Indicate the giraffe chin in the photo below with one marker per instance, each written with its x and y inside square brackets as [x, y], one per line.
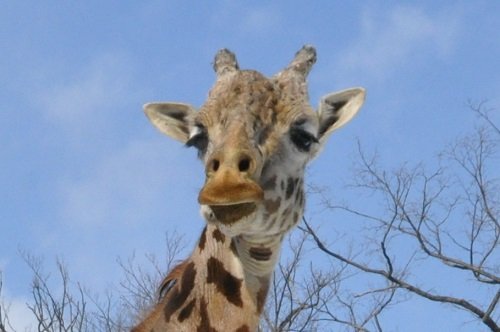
[229, 214]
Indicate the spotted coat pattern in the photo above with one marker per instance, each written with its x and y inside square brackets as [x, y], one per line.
[255, 136]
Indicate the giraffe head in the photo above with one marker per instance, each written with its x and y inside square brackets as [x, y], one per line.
[255, 136]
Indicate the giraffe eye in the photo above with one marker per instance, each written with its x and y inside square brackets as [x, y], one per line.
[302, 139]
[199, 140]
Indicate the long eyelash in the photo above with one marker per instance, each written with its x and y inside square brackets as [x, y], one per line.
[305, 133]
[302, 139]
[197, 140]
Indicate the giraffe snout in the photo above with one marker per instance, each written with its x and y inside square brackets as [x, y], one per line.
[229, 190]
[228, 187]
[230, 195]
[230, 174]
[241, 161]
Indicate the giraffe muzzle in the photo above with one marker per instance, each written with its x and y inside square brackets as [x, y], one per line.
[228, 187]
[230, 196]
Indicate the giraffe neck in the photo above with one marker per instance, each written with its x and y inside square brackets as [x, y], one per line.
[224, 278]
[255, 136]
[258, 255]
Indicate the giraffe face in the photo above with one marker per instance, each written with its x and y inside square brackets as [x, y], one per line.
[246, 137]
[255, 136]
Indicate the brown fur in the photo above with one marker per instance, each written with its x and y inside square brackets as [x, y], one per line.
[165, 287]
[255, 136]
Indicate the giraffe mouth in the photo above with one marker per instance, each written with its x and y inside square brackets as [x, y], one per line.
[228, 214]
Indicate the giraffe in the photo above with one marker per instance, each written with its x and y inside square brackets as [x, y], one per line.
[255, 136]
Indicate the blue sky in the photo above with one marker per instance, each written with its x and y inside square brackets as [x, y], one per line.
[85, 177]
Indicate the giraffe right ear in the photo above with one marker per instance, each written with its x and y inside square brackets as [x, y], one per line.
[338, 108]
[172, 119]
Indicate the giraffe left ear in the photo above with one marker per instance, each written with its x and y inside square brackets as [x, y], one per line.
[172, 119]
[338, 108]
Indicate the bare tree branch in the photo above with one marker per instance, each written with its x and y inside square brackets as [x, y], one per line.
[401, 283]
[63, 305]
[481, 110]
[314, 299]
[426, 209]
[4, 317]
[62, 310]
[140, 284]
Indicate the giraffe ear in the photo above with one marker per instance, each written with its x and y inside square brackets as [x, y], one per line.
[338, 108]
[172, 119]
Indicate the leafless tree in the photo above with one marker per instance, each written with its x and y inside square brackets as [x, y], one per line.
[307, 296]
[448, 217]
[62, 305]
[64, 309]
[4, 318]
[293, 303]
[138, 288]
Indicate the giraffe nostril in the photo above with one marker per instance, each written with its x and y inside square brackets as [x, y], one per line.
[244, 165]
[215, 165]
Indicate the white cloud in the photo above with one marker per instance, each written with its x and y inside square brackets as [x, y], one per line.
[126, 200]
[84, 101]
[121, 186]
[20, 317]
[399, 37]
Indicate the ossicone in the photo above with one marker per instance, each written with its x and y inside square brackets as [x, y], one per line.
[225, 62]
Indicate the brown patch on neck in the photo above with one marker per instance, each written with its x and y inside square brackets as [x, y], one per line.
[243, 328]
[179, 294]
[260, 253]
[204, 319]
[218, 236]
[224, 281]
